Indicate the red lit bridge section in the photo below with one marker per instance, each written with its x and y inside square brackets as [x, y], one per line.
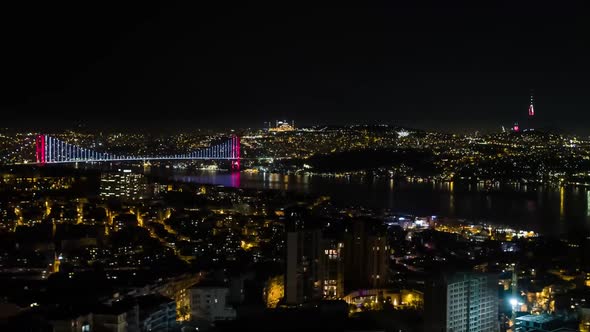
[50, 150]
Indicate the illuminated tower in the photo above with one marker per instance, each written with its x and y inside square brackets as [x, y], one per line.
[531, 121]
[235, 153]
[40, 149]
[531, 107]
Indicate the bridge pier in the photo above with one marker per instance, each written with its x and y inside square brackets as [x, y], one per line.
[40, 148]
[235, 153]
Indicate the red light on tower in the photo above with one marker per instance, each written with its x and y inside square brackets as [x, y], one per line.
[40, 149]
[516, 128]
[235, 161]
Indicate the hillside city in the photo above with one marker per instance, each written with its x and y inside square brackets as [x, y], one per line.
[119, 246]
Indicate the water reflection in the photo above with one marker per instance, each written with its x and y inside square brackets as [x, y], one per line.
[530, 206]
[235, 179]
[561, 203]
[452, 198]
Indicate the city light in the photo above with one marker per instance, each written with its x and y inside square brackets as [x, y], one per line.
[152, 177]
[513, 302]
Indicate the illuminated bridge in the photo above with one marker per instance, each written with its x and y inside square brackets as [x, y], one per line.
[50, 150]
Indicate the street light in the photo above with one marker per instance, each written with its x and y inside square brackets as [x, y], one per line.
[513, 303]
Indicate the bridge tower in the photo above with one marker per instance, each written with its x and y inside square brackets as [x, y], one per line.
[235, 153]
[40, 149]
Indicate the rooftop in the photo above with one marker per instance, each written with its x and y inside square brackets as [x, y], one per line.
[536, 318]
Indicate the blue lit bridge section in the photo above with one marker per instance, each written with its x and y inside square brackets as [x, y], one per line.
[51, 150]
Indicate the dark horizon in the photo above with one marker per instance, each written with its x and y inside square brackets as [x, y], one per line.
[177, 67]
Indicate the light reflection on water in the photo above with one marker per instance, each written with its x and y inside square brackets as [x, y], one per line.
[548, 209]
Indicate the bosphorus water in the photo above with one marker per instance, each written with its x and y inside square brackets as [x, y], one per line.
[551, 210]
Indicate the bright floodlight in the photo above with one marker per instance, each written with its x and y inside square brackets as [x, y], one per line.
[513, 302]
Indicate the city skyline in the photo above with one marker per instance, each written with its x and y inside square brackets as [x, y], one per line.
[291, 166]
[182, 66]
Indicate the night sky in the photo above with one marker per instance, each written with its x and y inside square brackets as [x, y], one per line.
[217, 65]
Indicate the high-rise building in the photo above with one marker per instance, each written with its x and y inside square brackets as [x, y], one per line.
[378, 259]
[331, 267]
[314, 266]
[531, 117]
[462, 302]
[303, 274]
[365, 256]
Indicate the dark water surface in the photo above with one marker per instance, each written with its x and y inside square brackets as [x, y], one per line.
[547, 209]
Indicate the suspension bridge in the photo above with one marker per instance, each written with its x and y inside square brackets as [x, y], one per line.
[51, 150]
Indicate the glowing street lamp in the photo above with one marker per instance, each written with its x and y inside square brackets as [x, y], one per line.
[513, 303]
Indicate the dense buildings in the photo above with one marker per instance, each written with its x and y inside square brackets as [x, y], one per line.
[324, 264]
[486, 158]
[123, 184]
[118, 214]
[164, 250]
[282, 126]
